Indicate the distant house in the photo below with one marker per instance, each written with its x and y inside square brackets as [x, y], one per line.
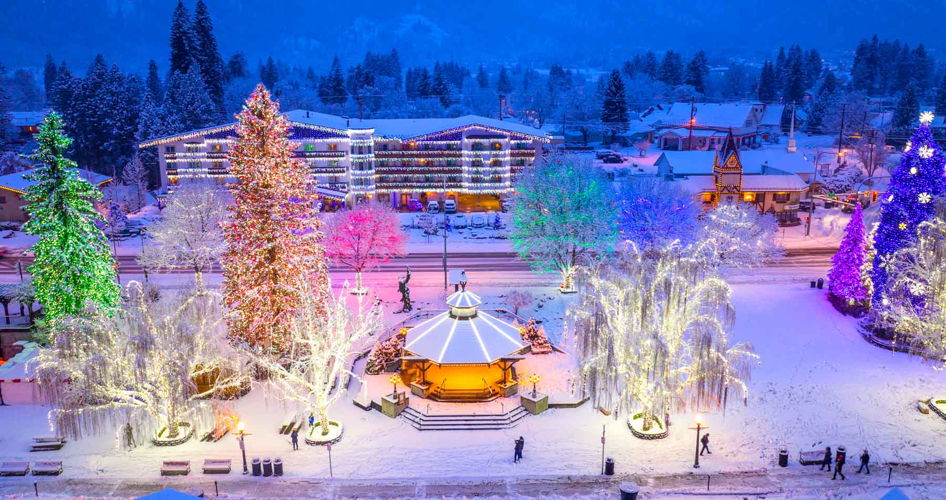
[27, 122]
[769, 179]
[13, 187]
[704, 126]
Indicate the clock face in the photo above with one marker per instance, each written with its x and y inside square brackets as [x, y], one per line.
[732, 162]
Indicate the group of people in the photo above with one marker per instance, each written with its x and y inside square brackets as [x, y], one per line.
[840, 458]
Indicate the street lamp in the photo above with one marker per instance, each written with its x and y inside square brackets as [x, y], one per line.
[535, 380]
[241, 432]
[699, 427]
[394, 379]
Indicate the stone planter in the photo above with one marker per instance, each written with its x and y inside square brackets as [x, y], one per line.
[534, 404]
[657, 430]
[315, 437]
[420, 390]
[393, 405]
[938, 406]
[184, 432]
[509, 389]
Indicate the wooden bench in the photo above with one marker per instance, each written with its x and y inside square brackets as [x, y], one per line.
[47, 443]
[812, 457]
[14, 468]
[287, 427]
[176, 468]
[48, 468]
[216, 466]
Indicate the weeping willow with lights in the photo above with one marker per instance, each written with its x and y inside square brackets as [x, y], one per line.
[73, 266]
[652, 335]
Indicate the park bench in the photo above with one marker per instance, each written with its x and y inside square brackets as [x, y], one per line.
[176, 468]
[289, 425]
[14, 468]
[811, 457]
[47, 468]
[216, 466]
[47, 443]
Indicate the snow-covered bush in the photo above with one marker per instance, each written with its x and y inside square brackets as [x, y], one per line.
[844, 179]
[385, 352]
[535, 336]
[737, 235]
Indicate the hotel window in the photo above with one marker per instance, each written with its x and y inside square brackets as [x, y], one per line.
[333, 163]
[780, 197]
[3, 200]
[169, 149]
[333, 147]
[192, 148]
[218, 165]
[707, 197]
[193, 164]
[748, 197]
[216, 148]
[308, 147]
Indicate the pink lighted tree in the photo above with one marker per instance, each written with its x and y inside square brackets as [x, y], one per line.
[845, 278]
[363, 238]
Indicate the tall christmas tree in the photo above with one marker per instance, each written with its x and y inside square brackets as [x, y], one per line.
[73, 266]
[844, 279]
[274, 251]
[909, 201]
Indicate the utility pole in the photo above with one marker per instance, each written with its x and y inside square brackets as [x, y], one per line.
[502, 102]
[792, 147]
[841, 133]
[443, 206]
[692, 115]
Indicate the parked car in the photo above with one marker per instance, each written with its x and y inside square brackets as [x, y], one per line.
[613, 158]
[806, 205]
[450, 206]
[414, 205]
[477, 220]
[460, 221]
[601, 153]
[433, 207]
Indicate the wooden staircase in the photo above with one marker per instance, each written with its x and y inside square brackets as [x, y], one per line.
[463, 422]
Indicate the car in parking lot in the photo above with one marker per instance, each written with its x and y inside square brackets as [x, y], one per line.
[414, 205]
[450, 206]
[433, 207]
[477, 220]
[460, 221]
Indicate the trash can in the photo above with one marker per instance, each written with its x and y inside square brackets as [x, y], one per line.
[629, 491]
[609, 467]
[267, 467]
[783, 457]
[814, 283]
[820, 283]
[277, 467]
[257, 470]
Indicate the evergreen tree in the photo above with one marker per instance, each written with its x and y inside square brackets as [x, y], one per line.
[61, 96]
[274, 252]
[941, 98]
[671, 69]
[236, 66]
[50, 71]
[72, 266]
[649, 66]
[844, 279]
[206, 54]
[4, 116]
[440, 88]
[922, 67]
[812, 68]
[915, 187]
[614, 108]
[269, 73]
[152, 124]
[153, 83]
[503, 85]
[697, 70]
[182, 40]
[482, 79]
[767, 83]
[332, 86]
[187, 103]
[795, 84]
[780, 70]
[908, 107]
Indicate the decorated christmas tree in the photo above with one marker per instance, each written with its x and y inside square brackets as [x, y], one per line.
[73, 266]
[909, 201]
[274, 250]
[844, 279]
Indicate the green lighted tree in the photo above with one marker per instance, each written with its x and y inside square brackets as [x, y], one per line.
[72, 265]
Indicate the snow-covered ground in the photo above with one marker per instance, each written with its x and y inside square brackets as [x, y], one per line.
[819, 384]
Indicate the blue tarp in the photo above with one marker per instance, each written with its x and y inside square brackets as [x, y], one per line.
[895, 494]
[168, 494]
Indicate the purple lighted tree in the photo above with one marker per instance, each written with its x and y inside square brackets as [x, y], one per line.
[844, 279]
[914, 186]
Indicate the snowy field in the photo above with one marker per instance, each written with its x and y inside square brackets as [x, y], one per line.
[819, 384]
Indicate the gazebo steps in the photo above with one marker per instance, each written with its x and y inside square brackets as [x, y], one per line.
[458, 422]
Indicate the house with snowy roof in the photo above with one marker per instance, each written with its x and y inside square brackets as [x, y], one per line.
[473, 158]
[683, 126]
[770, 179]
[13, 187]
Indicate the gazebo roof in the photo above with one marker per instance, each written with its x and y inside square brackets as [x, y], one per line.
[464, 298]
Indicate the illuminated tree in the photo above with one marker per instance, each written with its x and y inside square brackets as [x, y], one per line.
[564, 209]
[273, 235]
[363, 238]
[190, 234]
[136, 367]
[909, 201]
[654, 213]
[736, 235]
[844, 280]
[651, 332]
[73, 266]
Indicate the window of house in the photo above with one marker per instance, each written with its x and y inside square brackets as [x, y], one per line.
[192, 148]
[748, 197]
[308, 147]
[216, 165]
[780, 197]
[193, 164]
[170, 149]
[333, 147]
[707, 197]
[216, 148]
[3, 200]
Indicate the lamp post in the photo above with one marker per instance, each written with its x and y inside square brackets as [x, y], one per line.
[394, 379]
[535, 380]
[696, 452]
[241, 432]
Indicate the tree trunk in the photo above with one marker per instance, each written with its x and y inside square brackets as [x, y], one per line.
[323, 421]
[198, 280]
[173, 428]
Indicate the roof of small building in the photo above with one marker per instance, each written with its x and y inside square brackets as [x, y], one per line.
[720, 115]
[750, 183]
[18, 182]
[685, 132]
[753, 161]
[26, 118]
[772, 115]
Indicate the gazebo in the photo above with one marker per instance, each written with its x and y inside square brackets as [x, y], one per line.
[463, 354]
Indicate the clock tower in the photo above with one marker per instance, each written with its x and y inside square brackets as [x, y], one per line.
[727, 172]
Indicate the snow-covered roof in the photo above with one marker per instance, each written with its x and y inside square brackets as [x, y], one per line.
[18, 182]
[17, 366]
[635, 127]
[685, 132]
[464, 298]
[753, 161]
[788, 182]
[26, 118]
[720, 115]
[772, 115]
[697, 184]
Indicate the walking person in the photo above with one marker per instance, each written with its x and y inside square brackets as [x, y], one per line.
[520, 443]
[827, 459]
[865, 462]
[295, 438]
[705, 441]
[839, 460]
[311, 420]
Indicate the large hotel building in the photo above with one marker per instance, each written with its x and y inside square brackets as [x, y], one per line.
[391, 160]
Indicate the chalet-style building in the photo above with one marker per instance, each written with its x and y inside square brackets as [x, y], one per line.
[769, 179]
[13, 187]
[704, 126]
[391, 160]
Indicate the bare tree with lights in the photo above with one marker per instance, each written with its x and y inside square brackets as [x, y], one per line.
[736, 235]
[651, 331]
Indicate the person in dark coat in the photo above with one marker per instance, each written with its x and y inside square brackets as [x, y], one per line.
[839, 460]
[705, 441]
[865, 462]
[520, 444]
[311, 420]
[294, 435]
[827, 459]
